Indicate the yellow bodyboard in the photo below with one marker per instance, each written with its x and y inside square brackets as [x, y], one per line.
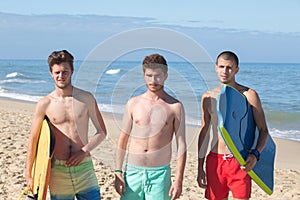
[42, 164]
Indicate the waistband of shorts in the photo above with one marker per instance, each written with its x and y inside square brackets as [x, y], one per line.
[63, 162]
[130, 166]
[221, 155]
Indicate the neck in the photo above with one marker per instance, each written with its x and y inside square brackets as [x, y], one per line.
[232, 84]
[155, 95]
[64, 92]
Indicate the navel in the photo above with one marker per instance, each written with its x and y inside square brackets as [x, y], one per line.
[70, 150]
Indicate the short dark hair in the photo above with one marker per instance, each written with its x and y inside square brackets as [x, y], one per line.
[155, 61]
[58, 57]
[228, 55]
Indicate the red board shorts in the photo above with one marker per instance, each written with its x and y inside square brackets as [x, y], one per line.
[223, 173]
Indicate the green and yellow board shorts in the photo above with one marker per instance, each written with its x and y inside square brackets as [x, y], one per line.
[147, 182]
[66, 182]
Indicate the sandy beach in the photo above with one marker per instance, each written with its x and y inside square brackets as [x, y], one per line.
[15, 121]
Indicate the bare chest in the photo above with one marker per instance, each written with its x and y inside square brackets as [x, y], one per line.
[152, 120]
[65, 111]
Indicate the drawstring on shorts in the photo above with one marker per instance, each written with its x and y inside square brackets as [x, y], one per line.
[146, 182]
[226, 156]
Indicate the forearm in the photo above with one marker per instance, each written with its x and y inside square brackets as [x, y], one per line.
[181, 161]
[203, 141]
[120, 155]
[121, 150]
[202, 148]
[201, 164]
[94, 142]
[181, 157]
[262, 139]
[31, 153]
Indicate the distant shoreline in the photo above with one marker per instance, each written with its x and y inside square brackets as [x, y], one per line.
[119, 115]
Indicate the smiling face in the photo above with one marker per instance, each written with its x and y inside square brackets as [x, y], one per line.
[61, 74]
[155, 79]
[226, 70]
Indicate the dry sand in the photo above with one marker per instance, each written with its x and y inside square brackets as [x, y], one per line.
[15, 120]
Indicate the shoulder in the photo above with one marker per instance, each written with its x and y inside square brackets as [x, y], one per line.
[45, 101]
[42, 105]
[171, 100]
[207, 94]
[78, 91]
[132, 102]
[174, 104]
[250, 94]
[252, 97]
[210, 95]
[246, 91]
[83, 95]
[213, 93]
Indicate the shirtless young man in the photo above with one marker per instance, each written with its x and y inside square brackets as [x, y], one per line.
[150, 121]
[223, 172]
[69, 110]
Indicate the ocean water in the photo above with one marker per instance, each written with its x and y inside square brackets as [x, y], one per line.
[113, 83]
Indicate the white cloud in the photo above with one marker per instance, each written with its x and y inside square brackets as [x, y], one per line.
[34, 36]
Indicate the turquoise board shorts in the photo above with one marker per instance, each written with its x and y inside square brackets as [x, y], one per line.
[147, 182]
[66, 182]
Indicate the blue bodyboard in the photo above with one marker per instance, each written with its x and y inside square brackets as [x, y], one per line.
[238, 129]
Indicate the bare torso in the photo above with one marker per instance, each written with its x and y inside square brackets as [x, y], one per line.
[152, 131]
[69, 118]
[219, 146]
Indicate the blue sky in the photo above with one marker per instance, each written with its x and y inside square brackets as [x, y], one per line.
[258, 31]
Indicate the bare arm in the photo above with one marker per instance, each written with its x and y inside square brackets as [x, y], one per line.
[261, 124]
[36, 125]
[202, 147]
[95, 115]
[98, 123]
[121, 150]
[179, 125]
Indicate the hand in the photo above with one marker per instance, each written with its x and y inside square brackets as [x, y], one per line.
[176, 189]
[201, 179]
[250, 163]
[119, 184]
[29, 182]
[77, 158]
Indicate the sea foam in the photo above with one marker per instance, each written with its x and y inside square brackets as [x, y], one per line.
[113, 71]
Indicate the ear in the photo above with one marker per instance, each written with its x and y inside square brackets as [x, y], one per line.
[166, 76]
[237, 69]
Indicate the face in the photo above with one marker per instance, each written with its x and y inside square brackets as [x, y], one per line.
[226, 70]
[61, 75]
[155, 79]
